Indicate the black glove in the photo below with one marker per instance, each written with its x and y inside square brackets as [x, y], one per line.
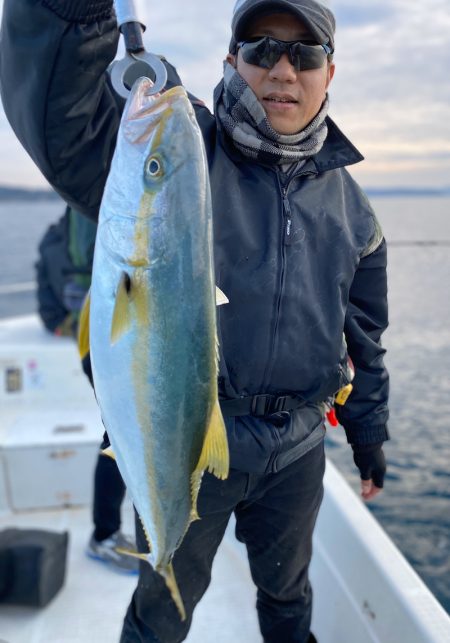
[370, 460]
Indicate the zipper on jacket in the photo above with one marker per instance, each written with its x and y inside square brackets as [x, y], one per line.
[285, 237]
[288, 216]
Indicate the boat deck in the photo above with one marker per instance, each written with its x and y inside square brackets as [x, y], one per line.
[91, 605]
[365, 591]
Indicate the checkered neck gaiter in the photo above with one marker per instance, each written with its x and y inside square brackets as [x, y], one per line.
[243, 118]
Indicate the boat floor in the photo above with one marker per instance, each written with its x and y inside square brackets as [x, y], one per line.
[364, 589]
[91, 605]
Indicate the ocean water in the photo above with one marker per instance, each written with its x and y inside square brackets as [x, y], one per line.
[414, 509]
[22, 225]
[415, 506]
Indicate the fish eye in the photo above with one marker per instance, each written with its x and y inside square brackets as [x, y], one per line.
[154, 168]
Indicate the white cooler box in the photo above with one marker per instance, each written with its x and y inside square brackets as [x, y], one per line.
[49, 459]
[39, 369]
[50, 426]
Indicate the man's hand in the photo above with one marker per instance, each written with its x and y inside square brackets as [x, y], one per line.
[369, 458]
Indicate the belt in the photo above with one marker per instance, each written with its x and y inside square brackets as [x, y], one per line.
[261, 405]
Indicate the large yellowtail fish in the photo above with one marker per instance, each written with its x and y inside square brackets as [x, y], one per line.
[152, 319]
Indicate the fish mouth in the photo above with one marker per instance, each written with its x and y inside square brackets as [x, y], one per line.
[147, 115]
[158, 103]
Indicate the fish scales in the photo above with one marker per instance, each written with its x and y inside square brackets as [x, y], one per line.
[152, 326]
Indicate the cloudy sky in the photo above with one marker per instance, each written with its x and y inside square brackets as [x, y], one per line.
[390, 93]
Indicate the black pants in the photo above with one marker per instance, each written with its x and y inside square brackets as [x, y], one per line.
[275, 518]
[109, 491]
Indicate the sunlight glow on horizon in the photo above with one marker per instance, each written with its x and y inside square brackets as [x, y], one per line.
[390, 95]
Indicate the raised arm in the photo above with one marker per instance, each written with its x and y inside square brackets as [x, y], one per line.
[56, 93]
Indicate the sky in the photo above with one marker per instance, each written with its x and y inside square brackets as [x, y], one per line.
[390, 94]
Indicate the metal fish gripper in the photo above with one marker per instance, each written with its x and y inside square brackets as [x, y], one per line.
[137, 61]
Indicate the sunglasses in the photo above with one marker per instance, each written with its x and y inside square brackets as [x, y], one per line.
[266, 52]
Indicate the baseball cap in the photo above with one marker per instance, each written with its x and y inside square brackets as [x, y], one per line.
[317, 18]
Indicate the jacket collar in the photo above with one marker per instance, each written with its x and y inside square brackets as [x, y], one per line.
[337, 150]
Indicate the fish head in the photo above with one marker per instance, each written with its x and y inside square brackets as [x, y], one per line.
[158, 177]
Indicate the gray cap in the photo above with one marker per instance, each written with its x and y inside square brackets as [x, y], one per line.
[317, 18]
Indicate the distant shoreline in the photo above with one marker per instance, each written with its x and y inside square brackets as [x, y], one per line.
[407, 192]
[26, 194]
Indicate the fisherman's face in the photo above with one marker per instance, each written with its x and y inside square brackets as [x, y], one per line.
[291, 99]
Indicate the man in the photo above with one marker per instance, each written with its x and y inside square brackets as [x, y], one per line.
[298, 252]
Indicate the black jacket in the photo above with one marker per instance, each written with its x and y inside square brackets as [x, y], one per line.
[63, 270]
[52, 270]
[302, 260]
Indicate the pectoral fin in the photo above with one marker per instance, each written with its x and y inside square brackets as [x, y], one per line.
[83, 327]
[121, 320]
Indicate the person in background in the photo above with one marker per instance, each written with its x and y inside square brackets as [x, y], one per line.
[63, 274]
[297, 250]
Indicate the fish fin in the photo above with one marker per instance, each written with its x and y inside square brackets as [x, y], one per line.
[132, 553]
[221, 297]
[147, 537]
[169, 577]
[121, 320]
[83, 327]
[215, 456]
[109, 453]
[194, 514]
[196, 479]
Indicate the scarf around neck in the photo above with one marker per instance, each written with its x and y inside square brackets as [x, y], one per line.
[244, 119]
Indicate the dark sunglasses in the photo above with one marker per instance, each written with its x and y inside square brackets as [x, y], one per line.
[266, 52]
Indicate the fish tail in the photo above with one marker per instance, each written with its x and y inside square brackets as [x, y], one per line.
[169, 576]
[167, 573]
[133, 553]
